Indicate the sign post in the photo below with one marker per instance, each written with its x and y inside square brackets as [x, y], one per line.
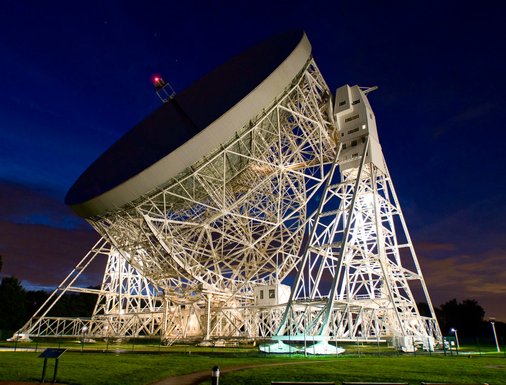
[51, 353]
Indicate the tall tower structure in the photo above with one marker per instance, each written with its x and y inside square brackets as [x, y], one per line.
[359, 270]
[254, 204]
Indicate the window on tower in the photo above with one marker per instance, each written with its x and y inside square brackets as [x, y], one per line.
[351, 118]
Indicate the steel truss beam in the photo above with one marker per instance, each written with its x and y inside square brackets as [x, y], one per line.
[127, 304]
[357, 269]
[184, 260]
[237, 218]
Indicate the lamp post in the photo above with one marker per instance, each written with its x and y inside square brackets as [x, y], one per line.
[359, 335]
[492, 322]
[456, 337]
[106, 328]
[215, 375]
[83, 330]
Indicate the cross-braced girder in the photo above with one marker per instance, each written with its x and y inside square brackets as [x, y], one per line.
[237, 218]
[287, 198]
[353, 265]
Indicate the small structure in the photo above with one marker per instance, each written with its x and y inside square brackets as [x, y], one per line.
[268, 295]
[51, 353]
[278, 347]
[324, 348]
[19, 337]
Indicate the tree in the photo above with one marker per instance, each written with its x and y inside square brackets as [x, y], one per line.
[466, 317]
[74, 305]
[12, 304]
[33, 301]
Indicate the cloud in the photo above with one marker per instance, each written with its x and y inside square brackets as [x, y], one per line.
[41, 240]
[474, 226]
[427, 247]
[473, 112]
[463, 255]
[43, 255]
[32, 205]
[467, 115]
[481, 277]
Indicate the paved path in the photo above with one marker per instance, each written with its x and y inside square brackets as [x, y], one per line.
[199, 377]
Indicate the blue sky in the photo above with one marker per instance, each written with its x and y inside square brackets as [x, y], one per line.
[74, 77]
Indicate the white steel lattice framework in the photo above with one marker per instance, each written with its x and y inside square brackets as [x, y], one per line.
[359, 268]
[236, 220]
[188, 259]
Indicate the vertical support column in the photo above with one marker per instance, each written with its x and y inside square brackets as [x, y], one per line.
[208, 327]
[165, 318]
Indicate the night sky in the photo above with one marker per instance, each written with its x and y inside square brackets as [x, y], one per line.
[75, 76]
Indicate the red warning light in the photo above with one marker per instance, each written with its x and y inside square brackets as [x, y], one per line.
[158, 82]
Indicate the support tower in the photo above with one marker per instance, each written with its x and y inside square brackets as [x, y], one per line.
[268, 212]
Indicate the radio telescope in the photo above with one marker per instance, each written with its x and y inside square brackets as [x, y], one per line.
[255, 204]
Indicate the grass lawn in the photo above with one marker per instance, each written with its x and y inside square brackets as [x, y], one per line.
[414, 370]
[140, 345]
[146, 345]
[98, 368]
[138, 369]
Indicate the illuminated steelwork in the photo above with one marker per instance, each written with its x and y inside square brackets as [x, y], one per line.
[297, 191]
[359, 267]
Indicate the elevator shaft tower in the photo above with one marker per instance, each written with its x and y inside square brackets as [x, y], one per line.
[360, 270]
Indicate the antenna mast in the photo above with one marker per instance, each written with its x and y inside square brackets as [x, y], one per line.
[163, 89]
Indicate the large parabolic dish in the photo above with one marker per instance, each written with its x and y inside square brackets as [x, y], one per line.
[210, 192]
[254, 204]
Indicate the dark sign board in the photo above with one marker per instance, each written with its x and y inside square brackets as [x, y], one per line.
[52, 353]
